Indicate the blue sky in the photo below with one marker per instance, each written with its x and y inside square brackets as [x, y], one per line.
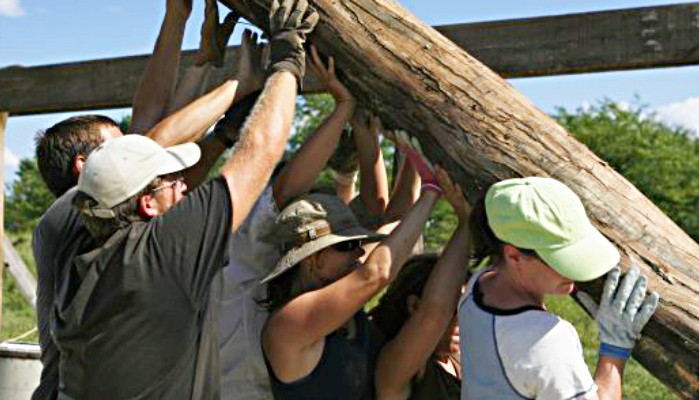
[41, 32]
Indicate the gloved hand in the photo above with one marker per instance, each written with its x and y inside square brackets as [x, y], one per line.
[343, 163]
[227, 129]
[623, 312]
[288, 26]
[411, 148]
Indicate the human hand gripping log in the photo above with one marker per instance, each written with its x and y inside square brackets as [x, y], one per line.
[288, 27]
[623, 312]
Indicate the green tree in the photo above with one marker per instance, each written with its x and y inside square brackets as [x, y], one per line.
[660, 160]
[27, 199]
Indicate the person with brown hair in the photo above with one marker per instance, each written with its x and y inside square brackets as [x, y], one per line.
[539, 242]
[317, 342]
[417, 315]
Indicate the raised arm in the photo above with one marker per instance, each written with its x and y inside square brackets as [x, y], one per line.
[302, 170]
[311, 316]
[372, 170]
[155, 90]
[406, 190]
[265, 133]
[406, 354]
[212, 49]
[623, 312]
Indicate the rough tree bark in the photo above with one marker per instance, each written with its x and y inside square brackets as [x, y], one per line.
[482, 130]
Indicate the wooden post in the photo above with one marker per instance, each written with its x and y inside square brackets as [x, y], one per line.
[3, 123]
[19, 270]
[482, 130]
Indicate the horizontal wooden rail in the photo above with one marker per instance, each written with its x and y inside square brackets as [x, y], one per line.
[590, 42]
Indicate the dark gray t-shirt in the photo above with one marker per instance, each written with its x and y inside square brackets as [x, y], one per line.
[59, 235]
[130, 314]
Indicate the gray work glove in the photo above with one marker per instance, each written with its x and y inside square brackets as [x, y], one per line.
[344, 158]
[623, 312]
[227, 129]
[288, 26]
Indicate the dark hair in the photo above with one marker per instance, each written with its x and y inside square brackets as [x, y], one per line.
[126, 213]
[485, 243]
[281, 289]
[392, 311]
[57, 147]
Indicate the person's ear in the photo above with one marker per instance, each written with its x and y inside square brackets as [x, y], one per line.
[147, 206]
[512, 254]
[78, 165]
[413, 303]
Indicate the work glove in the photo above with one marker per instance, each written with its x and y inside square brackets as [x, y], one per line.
[288, 26]
[623, 312]
[343, 164]
[227, 129]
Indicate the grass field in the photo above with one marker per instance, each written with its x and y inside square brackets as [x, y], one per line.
[18, 317]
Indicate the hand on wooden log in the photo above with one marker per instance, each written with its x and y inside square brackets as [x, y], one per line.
[412, 149]
[289, 24]
[454, 195]
[227, 129]
[251, 71]
[214, 36]
[623, 312]
[328, 78]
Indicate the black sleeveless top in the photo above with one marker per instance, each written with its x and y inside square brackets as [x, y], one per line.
[436, 384]
[345, 370]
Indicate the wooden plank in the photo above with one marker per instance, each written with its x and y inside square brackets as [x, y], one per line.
[3, 124]
[16, 267]
[482, 130]
[590, 42]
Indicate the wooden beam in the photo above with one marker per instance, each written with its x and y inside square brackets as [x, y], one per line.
[3, 124]
[482, 130]
[16, 267]
[590, 42]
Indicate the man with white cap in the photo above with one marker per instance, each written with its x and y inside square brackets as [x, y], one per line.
[539, 241]
[130, 318]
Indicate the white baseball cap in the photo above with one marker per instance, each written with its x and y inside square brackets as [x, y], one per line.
[122, 167]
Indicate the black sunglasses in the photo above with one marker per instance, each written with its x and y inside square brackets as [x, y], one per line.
[348, 245]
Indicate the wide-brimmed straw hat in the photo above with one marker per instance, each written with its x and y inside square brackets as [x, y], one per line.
[309, 225]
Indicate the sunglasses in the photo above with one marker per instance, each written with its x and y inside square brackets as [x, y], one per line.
[168, 184]
[348, 245]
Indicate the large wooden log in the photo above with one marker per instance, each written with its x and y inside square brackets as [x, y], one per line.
[482, 130]
[586, 42]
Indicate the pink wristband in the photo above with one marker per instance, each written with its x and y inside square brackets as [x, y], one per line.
[431, 187]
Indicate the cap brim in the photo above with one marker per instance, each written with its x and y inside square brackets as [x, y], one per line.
[587, 259]
[178, 158]
[293, 256]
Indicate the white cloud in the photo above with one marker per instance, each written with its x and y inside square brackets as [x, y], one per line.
[11, 159]
[11, 8]
[684, 113]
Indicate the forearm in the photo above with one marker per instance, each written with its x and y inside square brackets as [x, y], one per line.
[191, 86]
[608, 378]
[344, 191]
[372, 172]
[191, 122]
[405, 191]
[261, 145]
[443, 287]
[157, 84]
[302, 170]
[390, 255]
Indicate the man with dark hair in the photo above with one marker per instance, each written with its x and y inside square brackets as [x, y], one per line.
[63, 149]
[131, 311]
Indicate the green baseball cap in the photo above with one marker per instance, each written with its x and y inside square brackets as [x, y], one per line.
[544, 215]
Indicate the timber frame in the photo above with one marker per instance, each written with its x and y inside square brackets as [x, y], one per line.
[638, 38]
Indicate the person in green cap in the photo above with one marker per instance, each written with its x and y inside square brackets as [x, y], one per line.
[539, 241]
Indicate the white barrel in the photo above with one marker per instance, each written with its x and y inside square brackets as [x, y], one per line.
[20, 369]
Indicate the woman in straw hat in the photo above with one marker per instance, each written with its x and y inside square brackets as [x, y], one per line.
[317, 342]
[417, 316]
[539, 241]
